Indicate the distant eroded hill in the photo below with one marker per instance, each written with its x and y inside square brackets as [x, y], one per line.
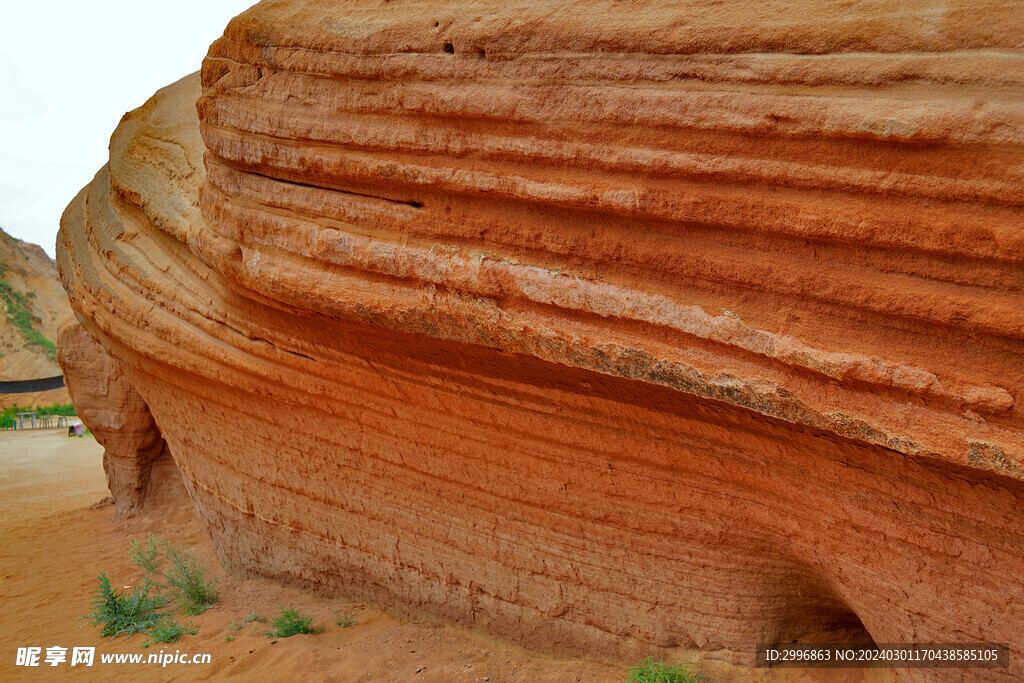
[35, 306]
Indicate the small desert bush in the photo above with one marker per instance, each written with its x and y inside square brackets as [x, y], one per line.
[167, 631]
[187, 577]
[346, 620]
[172, 573]
[291, 622]
[179, 571]
[122, 613]
[650, 671]
[147, 557]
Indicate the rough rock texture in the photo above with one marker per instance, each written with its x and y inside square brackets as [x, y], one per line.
[138, 465]
[29, 286]
[603, 328]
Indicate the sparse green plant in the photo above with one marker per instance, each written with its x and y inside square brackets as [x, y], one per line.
[346, 620]
[247, 619]
[65, 409]
[11, 412]
[187, 577]
[228, 639]
[291, 622]
[170, 573]
[147, 556]
[650, 671]
[121, 613]
[178, 570]
[20, 314]
[167, 631]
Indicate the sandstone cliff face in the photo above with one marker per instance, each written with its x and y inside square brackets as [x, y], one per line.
[135, 458]
[32, 306]
[603, 329]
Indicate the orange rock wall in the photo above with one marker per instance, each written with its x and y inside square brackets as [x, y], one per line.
[135, 457]
[609, 329]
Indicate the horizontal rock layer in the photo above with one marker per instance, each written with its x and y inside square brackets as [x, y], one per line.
[662, 327]
[814, 236]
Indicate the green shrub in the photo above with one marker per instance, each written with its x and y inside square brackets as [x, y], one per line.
[171, 573]
[291, 623]
[650, 671]
[65, 409]
[346, 620]
[11, 413]
[167, 631]
[147, 557]
[179, 571]
[125, 613]
[187, 577]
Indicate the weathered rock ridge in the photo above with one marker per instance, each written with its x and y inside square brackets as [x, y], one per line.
[137, 463]
[608, 329]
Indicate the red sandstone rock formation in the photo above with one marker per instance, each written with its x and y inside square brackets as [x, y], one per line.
[138, 465]
[604, 329]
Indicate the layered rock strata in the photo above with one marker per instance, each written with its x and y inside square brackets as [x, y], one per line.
[138, 466]
[602, 329]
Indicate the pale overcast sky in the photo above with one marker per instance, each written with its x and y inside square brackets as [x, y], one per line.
[68, 71]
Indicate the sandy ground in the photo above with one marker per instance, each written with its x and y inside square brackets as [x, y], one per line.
[57, 534]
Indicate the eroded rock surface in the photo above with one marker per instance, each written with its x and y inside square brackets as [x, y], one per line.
[611, 329]
[138, 466]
